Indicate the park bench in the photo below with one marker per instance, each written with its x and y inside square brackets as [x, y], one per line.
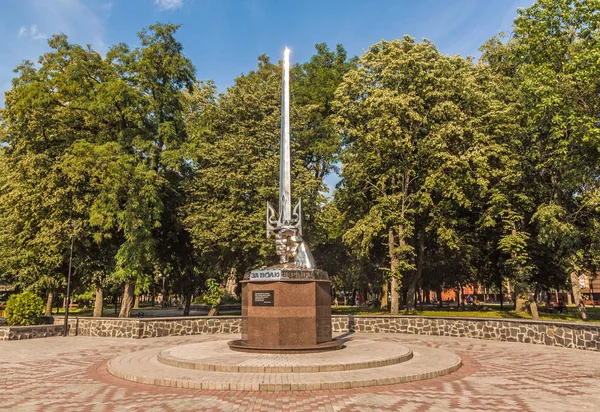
[551, 307]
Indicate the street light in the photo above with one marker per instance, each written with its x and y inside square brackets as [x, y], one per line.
[66, 330]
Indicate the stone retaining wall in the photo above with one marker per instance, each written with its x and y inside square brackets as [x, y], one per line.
[565, 334]
[152, 328]
[30, 332]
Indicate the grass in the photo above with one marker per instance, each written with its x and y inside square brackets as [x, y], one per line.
[107, 311]
[492, 311]
[489, 311]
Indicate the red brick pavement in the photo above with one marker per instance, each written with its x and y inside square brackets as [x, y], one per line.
[58, 374]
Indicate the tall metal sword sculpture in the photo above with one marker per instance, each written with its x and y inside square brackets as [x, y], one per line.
[290, 247]
[286, 308]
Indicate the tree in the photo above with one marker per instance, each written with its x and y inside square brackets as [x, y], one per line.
[406, 113]
[551, 60]
[95, 142]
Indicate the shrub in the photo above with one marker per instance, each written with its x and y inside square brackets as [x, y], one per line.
[23, 309]
[213, 294]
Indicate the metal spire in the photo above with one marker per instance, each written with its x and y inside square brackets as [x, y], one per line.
[285, 190]
[289, 244]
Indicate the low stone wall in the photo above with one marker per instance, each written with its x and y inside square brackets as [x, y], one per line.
[30, 332]
[134, 328]
[199, 325]
[564, 334]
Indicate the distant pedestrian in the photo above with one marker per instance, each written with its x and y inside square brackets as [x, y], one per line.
[561, 306]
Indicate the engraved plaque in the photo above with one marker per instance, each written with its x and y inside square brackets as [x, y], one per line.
[263, 298]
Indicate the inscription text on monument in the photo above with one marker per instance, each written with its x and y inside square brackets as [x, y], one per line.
[266, 274]
[263, 298]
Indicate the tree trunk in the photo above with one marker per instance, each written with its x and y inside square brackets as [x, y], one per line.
[136, 302]
[508, 289]
[570, 295]
[427, 296]
[410, 293]
[214, 311]
[556, 295]
[385, 290]
[438, 292]
[416, 276]
[188, 302]
[48, 311]
[534, 311]
[99, 302]
[127, 301]
[577, 294]
[521, 298]
[393, 266]
[57, 305]
[533, 306]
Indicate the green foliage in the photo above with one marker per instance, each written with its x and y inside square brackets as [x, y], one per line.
[453, 172]
[85, 298]
[410, 161]
[23, 309]
[214, 293]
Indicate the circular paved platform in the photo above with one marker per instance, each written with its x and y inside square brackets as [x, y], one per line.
[212, 356]
[211, 365]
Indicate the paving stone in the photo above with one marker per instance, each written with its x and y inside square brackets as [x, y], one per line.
[212, 356]
[59, 374]
[425, 363]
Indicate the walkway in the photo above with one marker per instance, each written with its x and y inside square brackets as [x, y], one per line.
[57, 374]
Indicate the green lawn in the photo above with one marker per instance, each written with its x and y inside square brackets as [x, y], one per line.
[489, 311]
[108, 310]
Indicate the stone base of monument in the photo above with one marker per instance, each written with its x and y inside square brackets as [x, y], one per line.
[210, 365]
[289, 315]
[243, 346]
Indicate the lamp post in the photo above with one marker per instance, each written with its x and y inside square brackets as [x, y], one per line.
[67, 300]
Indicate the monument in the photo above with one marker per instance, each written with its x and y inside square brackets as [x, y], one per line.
[286, 310]
[287, 307]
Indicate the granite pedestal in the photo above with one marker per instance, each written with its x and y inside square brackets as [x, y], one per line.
[286, 316]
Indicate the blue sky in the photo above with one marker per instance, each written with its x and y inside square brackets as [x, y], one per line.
[224, 37]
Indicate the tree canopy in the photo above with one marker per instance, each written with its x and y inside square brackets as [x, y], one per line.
[453, 172]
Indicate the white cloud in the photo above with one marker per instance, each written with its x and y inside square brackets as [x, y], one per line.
[169, 4]
[84, 22]
[33, 32]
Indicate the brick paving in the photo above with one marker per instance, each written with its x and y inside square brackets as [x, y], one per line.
[379, 366]
[358, 354]
[57, 374]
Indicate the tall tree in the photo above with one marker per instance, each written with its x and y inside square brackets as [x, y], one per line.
[406, 113]
[552, 59]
